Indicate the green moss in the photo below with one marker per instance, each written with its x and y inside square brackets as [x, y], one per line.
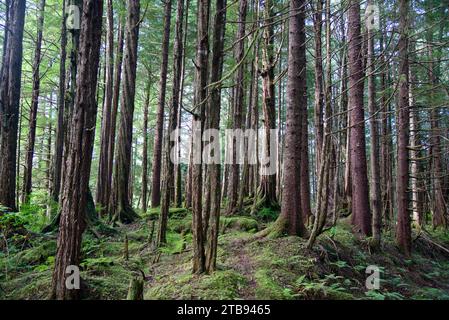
[268, 289]
[241, 223]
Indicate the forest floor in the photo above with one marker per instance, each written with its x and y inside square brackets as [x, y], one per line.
[248, 267]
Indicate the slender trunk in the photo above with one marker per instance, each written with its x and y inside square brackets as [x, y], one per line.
[319, 90]
[238, 102]
[200, 100]
[375, 193]
[102, 179]
[158, 137]
[168, 183]
[178, 178]
[145, 149]
[403, 229]
[59, 143]
[213, 120]
[121, 208]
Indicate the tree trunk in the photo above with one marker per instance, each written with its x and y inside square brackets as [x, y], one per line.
[145, 149]
[178, 178]
[403, 229]
[439, 210]
[376, 204]
[79, 157]
[319, 90]
[200, 99]
[59, 143]
[238, 102]
[158, 137]
[10, 86]
[266, 193]
[291, 219]
[168, 183]
[102, 196]
[29, 153]
[361, 217]
[121, 207]
[213, 122]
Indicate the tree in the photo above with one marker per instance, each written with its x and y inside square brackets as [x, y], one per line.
[213, 122]
[103, 180]
[10, 86]
[376, 204]
[403, 228]
[168, 183]
[59, 142]
[266, 193]
[200, 87]
[158, 137]
[291, 219]
[120, 206]
[29, 154]
[79, 153]
[361, 217]
[237, 107]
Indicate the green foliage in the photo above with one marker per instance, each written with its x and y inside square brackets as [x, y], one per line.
[267, 214]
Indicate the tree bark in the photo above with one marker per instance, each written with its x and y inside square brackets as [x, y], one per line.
[238, 102]
[102, 195]
[200, 100]
[29, 153]
[158, 137]
[168, 183]
[403, 229]
[10, 87]
[266, 193]
[213, 122]
[59, 143]
[79, 157]
[361, 217]
[375, 193]
[291, 218]
[121, 206]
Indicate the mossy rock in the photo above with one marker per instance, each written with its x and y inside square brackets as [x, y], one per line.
[174, 213]
[239, 223]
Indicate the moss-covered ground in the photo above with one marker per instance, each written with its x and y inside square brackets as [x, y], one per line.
[249, 267]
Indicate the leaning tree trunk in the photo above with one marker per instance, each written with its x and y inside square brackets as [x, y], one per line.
[79, 157]
[319, 88]
[361, 217]
[403, 229]
[158, 137]
[10, 86]
[121, 209]
[29, 153]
